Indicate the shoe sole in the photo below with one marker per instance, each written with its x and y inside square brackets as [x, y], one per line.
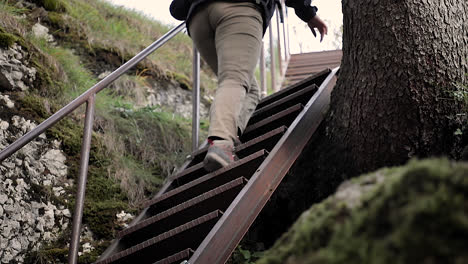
[214, 162]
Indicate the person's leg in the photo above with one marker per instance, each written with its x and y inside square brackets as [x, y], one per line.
[203, 36]
[238, 38]
[228, 36]
[249, 105]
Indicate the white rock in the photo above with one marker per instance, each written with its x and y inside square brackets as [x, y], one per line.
[4, 125]
[47, 236]
[6, 231]
[5, 100]
[54, 160]
[66, 213]
[15, 244]
[47, 183]
[42, 32]
[7, 257]
[3, 198]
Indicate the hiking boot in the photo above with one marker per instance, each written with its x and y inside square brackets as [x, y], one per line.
[220, 154]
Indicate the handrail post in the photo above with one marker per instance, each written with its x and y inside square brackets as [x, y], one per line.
[263, 83]
[280, 59]
[195, 98]
[285, 33]
[272, 59]
[84, 162]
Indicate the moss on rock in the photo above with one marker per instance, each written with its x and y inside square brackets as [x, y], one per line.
[6, 39]
[415, 214]
[52, 5]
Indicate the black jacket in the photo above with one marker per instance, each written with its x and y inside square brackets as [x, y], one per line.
[184, 9]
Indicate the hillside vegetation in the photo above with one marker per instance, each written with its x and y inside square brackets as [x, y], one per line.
[134, 146]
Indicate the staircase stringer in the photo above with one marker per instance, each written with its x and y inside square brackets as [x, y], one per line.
[230, 229]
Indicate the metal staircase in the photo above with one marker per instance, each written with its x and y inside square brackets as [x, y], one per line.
[201, 217]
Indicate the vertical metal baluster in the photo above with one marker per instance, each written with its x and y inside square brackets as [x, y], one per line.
[84, 162]
[280, 59]
[285, 25]
[195, 99]
[272, 60]
[263, 82]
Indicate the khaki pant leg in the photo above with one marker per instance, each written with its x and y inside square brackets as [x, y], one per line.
[237, 31]
[249, 105]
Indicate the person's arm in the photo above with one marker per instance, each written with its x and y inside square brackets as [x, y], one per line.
[308, 14]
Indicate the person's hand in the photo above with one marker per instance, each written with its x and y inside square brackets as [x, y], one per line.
[317, 23]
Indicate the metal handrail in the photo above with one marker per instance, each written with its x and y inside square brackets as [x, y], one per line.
[89, 96]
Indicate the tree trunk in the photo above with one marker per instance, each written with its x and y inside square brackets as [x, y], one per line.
[395, 96]
[403, 63]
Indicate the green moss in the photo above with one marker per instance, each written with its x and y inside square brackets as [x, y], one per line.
[6, 39]
[56, 19]
[418, 215]
[100, 217]
[47, 254]
[52, 5]
[70, 134]
[91, 257]
[181, 79]
[35, 106]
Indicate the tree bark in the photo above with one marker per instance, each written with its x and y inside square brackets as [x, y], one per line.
[395, 96]
[403, 62]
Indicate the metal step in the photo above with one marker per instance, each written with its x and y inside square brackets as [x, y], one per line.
[283, 118]
[167, 244]
[316, 79]
[244, 167]
[299, 97]
[217, 199]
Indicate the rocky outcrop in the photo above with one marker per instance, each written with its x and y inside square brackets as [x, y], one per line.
[411, 214]
[15, 72]
[32, 182]
[172, 97]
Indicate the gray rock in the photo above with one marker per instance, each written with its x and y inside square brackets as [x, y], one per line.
[41, 31]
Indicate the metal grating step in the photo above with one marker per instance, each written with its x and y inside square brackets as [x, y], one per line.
[217, 199]
[177, 258]
[316, 79]
[245, 167]
[266, 141]
[301, 96]
[188, 235]
[283, 118]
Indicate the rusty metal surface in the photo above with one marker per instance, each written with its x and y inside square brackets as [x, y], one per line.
[82, 178]
[316, 79]
[217, 199]
[283, 118]
[244, 167]
[266, 141]
[299, 97]
[234, 223]
[166, 244]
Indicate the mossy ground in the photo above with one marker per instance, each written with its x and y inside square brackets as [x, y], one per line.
[418, 215]
[52, 5]
[6, 39]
